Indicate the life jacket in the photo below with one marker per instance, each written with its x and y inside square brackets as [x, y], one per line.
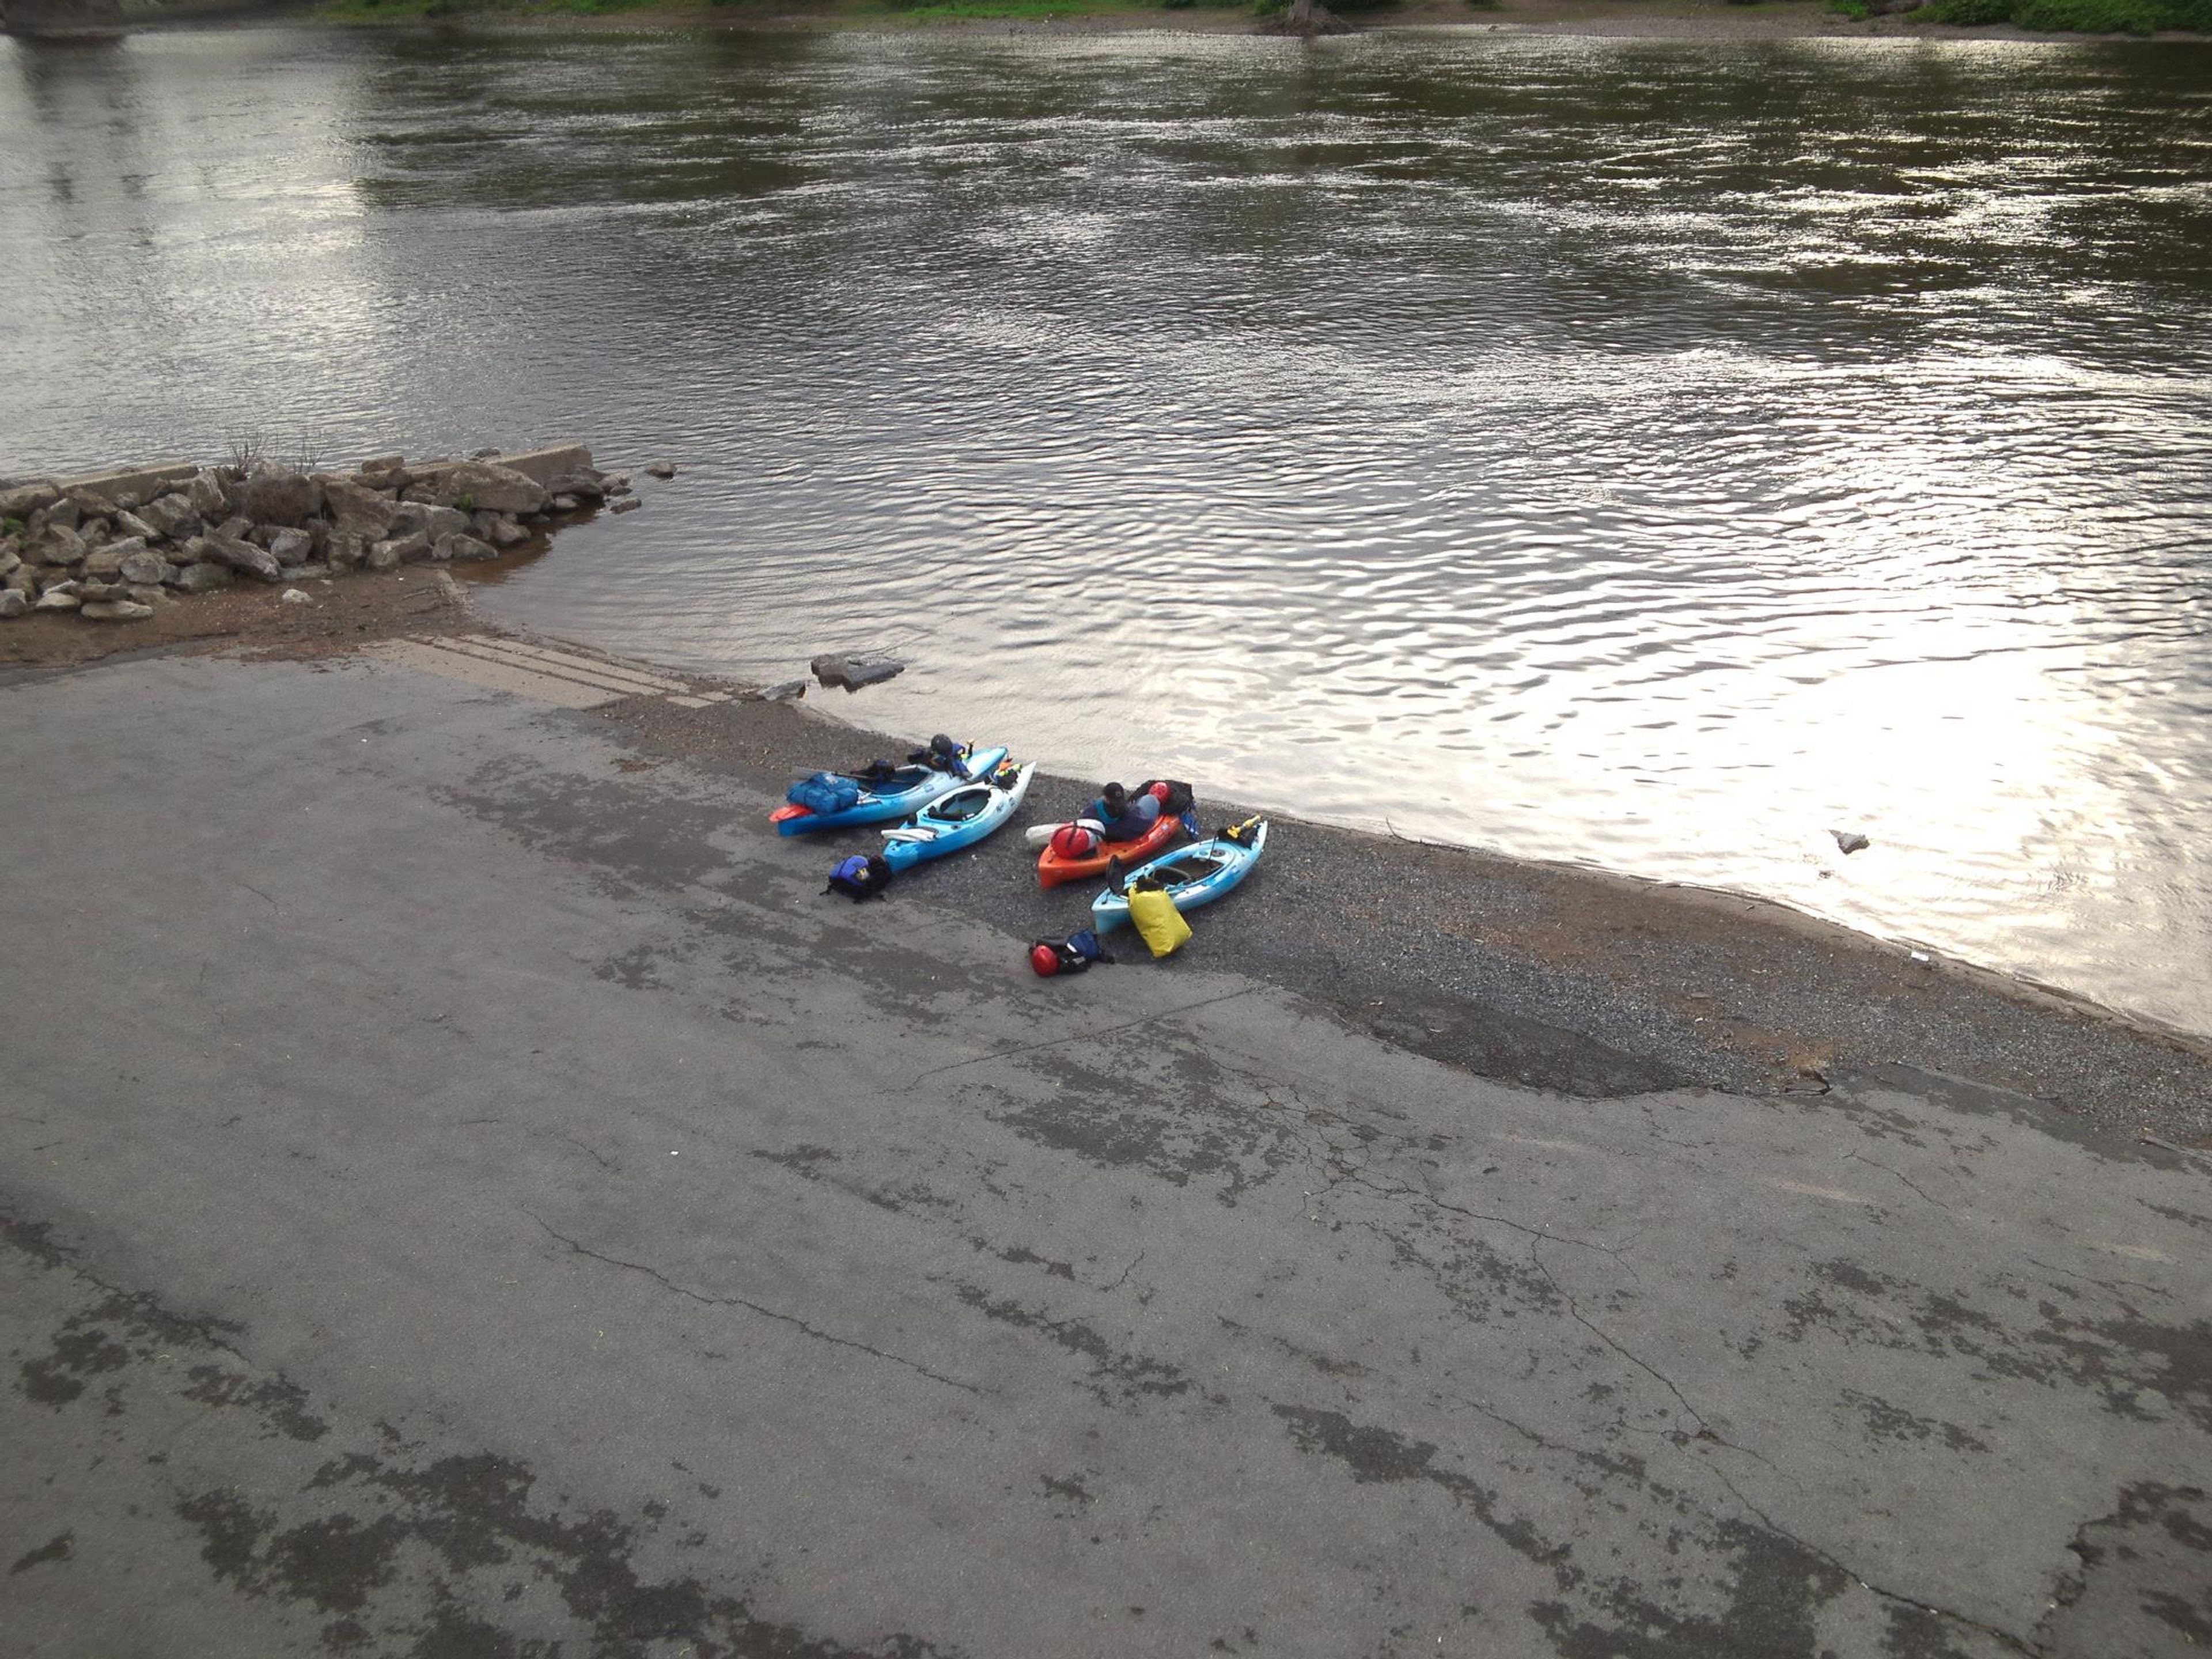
[943, 755]
[1141, 813]
[1072, 955]
[858, 878]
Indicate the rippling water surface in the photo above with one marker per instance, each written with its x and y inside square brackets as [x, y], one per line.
[1653, 454]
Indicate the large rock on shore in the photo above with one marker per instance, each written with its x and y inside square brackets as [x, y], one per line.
[105, 562]
[286, 499]
[241, 556]
[12, 604]
[428, 518]
[400, 549]
[498, 528]
[24, 500]
[544, 466]
[206, 496]
[291, 547]
[171, 516]
[482, 487]
[358, 510]
[459, 546]
[144, 566]
[582, 486]
[56, 545]
[207, 577]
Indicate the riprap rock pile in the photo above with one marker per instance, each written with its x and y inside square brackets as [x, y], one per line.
[112, 547]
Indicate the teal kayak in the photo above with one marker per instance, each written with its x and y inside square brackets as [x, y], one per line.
[959, 819]
[1192, 876]
[903, 794]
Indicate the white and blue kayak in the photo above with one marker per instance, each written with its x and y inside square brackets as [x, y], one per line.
[900, 794]
[961, 818]
[1191, 876]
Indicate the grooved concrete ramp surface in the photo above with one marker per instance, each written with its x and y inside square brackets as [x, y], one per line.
[465, 1195]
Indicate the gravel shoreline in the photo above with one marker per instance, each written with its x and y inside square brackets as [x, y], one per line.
[1578, 981]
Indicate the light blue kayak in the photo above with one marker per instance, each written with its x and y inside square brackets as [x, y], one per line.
[960, 818]
[905, 793]
[1192, 875]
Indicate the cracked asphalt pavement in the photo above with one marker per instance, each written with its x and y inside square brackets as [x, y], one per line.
[464, 1192]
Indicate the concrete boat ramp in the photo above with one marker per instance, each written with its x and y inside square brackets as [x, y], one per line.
[466, 1191]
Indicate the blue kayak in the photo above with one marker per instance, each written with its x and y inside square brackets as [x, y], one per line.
[1191, 876]
[959, 819]
[903, 794]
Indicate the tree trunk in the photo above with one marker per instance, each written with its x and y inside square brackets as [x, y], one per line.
[1309, 17]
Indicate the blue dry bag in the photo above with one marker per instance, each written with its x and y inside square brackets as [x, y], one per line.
[825, 792]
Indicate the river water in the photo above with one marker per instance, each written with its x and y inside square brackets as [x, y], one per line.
[1651, 454]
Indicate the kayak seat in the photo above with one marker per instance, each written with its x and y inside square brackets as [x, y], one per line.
[955, 808]
[1178, 873]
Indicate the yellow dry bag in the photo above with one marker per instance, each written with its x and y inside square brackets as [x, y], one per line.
[1154, 915]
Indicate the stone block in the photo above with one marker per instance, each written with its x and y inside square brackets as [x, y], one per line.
[542, 466]
[143, 481]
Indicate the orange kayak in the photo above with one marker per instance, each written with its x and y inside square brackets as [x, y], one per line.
[1053, 869]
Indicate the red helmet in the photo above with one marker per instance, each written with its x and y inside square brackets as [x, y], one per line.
[1072, 840]
[1159, 792]
[1045, 960]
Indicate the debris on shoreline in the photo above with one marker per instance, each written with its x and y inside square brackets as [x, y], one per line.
[113, 547]
[853, 673]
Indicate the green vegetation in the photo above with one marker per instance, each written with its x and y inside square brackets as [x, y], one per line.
[408, 11]
[411, 11]
[2073, 16]
[1035, 9]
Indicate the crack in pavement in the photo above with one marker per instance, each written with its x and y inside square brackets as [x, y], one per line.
[1126, 1272]
[793, 1320]
[2015, 1643]
[1575, 1313]
[1355, 1174]
[1535, 1234]
[585, 1146]
[1897, 1175]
